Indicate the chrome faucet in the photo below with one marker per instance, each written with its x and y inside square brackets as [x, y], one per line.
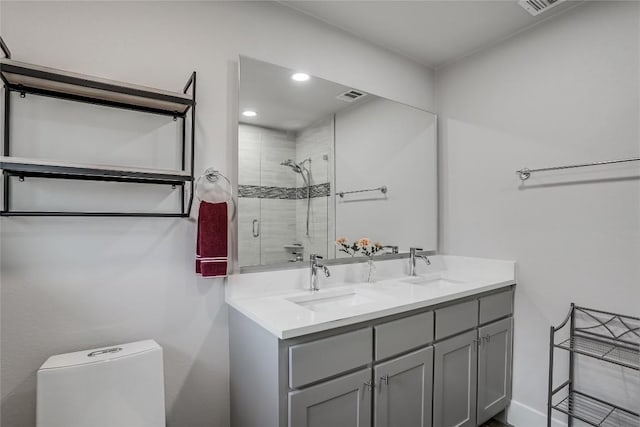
[394, 249]
[412, 260]
[313, 285]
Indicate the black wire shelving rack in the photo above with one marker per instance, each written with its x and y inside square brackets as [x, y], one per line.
[609, 337]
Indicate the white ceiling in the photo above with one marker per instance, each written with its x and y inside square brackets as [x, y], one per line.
[432, 33]
[282, 103]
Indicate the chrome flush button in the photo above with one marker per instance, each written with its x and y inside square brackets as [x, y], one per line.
[105, 351]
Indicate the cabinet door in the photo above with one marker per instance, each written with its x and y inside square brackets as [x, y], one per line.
[343, 402]
[403, 397]
[454, 389]
[494, 368]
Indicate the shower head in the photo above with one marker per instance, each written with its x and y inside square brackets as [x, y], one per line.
[293, 165]
[305, 173]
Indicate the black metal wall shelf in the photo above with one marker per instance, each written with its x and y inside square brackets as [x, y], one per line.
[29, 78]
[21, 167]
[26, 78]
[96, 214]
[609, 337]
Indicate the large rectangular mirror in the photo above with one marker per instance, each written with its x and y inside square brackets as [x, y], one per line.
[318, 160]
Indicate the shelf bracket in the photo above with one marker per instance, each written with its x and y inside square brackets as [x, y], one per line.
[21, 90]
[5, 48]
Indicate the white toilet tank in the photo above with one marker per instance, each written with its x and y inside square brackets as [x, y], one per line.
[118, 386]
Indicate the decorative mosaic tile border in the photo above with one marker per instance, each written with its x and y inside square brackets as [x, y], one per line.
[319, 190]
[289, 193]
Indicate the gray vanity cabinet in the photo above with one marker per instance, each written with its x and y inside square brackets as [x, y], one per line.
[441, 366]
[403, 398]
[494, 368]
[454, 376]
[342, 402]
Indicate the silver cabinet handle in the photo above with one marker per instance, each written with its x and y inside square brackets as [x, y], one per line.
[370, 385]
[487, 338]
[384, 380]
[256, 228]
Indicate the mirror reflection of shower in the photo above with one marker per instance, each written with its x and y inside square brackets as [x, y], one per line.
[305, 173]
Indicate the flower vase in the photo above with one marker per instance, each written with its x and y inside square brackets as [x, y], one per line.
[372, 271]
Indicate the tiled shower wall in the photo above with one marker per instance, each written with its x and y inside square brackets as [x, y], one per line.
[276, 196]
[316, 142]
[260, 152]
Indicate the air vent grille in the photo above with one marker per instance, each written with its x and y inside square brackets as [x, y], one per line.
[351, 95]
[536, 7]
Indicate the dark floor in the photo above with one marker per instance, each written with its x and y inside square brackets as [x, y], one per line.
[494, 423]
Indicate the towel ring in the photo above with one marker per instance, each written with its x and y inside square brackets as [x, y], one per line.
[213, 175]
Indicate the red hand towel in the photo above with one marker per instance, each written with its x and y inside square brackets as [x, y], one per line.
[211, 244]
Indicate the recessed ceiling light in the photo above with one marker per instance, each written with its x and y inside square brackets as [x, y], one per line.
[300, 77]
[249, 113]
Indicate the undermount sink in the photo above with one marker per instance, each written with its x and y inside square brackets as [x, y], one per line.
[432, 281]
[332, 301]
[361, 298]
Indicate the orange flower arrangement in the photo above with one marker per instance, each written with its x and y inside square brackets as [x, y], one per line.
[346, 247]
[367, 248]
[363, 245]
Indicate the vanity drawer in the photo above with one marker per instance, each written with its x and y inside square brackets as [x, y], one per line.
[403, 334]
[495, 306]
[316, 360]
[456, 318]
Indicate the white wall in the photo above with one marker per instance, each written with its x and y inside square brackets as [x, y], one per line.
[381, 142]
[70, 283]
[564, 92]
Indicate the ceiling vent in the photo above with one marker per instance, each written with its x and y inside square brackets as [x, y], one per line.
[351, 95]
[536, 7]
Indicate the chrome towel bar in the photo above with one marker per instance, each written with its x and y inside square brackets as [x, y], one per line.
[382, 189]
[525, 173]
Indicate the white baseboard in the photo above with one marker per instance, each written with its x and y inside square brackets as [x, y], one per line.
[520, 415]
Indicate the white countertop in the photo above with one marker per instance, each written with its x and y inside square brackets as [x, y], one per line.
[281, 303]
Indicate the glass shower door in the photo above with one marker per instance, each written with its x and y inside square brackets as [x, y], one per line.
[284, 193]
